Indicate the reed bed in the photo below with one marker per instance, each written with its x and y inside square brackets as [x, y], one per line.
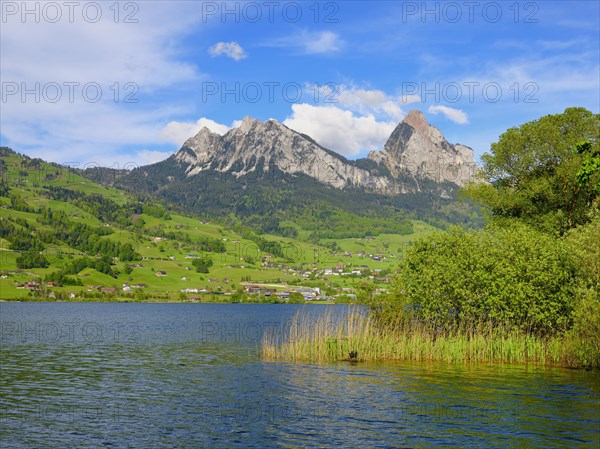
[355, 336]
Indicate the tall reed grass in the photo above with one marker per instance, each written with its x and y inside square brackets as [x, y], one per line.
[327, 337]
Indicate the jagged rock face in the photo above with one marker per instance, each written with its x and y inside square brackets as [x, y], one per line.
[414, 150]
[242, 150]
[419, 149]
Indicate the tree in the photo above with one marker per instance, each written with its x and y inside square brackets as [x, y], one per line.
[202, 265]
[512, 276]
[296, 298]
[587, 174]
[532, 171]
[584, 243]
[31, 260]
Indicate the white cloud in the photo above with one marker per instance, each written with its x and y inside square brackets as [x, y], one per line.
[371, 101]
[179, 132]
[126, 61]
[102, 52]
[311, 42]
[232, 50]
[338, 129]
[456, 115]
[323, 42]
[151, 156]
[362, 101]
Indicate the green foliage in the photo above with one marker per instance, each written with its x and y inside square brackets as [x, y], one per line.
[31, 260]
[103, 265]
[589, 173]
[18, 203]
[513, 277]
[542, 173]
[202, 265]
[154, 210]
[97, 205]
[341, 224]
[584, 244]
[62, 279]
[345, 299]
[268, 246]
[84, 237]
[4, 189]
[296, 298]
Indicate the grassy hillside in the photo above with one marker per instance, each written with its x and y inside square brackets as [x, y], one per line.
[101, 239]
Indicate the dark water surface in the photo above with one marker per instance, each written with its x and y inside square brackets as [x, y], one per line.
[98, 375]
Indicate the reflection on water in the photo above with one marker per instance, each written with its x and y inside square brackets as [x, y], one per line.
[189, 376]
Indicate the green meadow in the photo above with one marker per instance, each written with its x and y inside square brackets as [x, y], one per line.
[241, 259]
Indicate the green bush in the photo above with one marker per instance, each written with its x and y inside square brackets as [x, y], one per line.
[583, 340]
[296, 298]
[514, 278]
[584, 243]
[202, 265]
[31, 260]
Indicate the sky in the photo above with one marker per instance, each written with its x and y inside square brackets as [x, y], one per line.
[123, 84]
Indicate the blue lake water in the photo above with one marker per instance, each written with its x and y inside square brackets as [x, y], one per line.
[100, 375]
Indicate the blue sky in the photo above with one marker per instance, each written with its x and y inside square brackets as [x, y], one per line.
[125, 85]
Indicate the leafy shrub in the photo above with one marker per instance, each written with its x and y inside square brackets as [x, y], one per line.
[31, 260]
[511, 277]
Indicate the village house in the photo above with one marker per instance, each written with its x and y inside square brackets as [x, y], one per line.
[108, 290]
[161, 273]
[308, 292]
[31, 285]
[383, 279]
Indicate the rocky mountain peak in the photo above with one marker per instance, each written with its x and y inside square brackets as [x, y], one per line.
[414, 150]
[263, 146]
[247, 124]
[417, 120]
[198, 146]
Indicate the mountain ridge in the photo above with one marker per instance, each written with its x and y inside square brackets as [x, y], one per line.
[415, 149]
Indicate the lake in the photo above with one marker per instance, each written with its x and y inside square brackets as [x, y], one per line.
[125, 375]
